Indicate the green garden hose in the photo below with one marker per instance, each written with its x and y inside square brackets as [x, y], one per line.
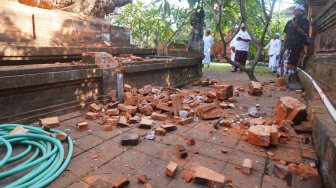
[47, 162]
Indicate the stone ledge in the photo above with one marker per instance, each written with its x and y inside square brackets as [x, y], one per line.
[324, 133]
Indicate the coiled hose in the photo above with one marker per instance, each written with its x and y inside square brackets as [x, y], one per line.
[48, 157]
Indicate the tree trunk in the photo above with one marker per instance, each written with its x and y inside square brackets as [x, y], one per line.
[250, 74]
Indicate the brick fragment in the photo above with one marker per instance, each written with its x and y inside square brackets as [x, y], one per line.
[19, 130]
[212, 114]
[211, 94]
[189, 141]
[304, 127]
[171, 169]
[169, 127]
[113, 95]
[224, 92]
[146, 109]
[112, 112]
[51, 122]
[158, 116]
[61, 136]
[177, 103]
[224, 105]
[259, 135]
[247, 166]
[187, 176]
[256, 121]
[280, 82]
[160, 131]
[148, 185]
[146, 123]
[127, 87]
[205, 108]
[91, 115]
[94, 107]
[181, 152]
[255, 88]
[304, 176]
[83, 126]
[130, 139]
[127, 108]
[122, 181]
[107, 127]
[208, 177]
[288, 108]
[142, 178]
[164, 107]
[123, 122]
[113, 121]
[129, 99]
[186, 121]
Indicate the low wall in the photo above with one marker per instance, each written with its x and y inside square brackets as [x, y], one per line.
[30, 92]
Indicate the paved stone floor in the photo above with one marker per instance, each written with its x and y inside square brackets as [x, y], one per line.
[99, 154]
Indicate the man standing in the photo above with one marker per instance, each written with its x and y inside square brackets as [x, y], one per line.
[243, 40]
[208, 42]
[232, 45]
[274, 47]
[296, 30]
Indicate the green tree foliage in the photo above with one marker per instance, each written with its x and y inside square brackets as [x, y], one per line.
[155, 23]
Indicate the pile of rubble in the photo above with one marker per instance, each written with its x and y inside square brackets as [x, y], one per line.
[163, 109]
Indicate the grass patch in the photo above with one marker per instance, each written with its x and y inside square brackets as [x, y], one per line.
[225, 67]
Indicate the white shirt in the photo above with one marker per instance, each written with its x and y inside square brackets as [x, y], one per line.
[233, 44]
[208, 42]
[242, 45]
[274, 47]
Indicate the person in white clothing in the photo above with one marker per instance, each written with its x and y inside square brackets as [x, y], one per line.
[274, 47]
[242, 44]
[232, 45]
[208, 42]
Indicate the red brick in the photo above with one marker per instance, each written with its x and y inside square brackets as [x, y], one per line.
[180, 152]
[208, 100]
[177, 103]
[209, 177]
[280, 82]
[256, 121]
[169, 127]
[129, 99]
[288, 108]
[212, 114]
[274, 135]
[113, 121]
[146, 109]
[107, 127]
[224, 105]
[247, 166]
[127, 108]
[142, 178]
[123, 122]
[304, 176]
[19, 130]
[146, 123]
[259, 135]
[112, 112]
[83, 126]
[127, 87]
[94, 107]
[171, 169]
[130, 139]
[223, 92]
[148, 185]
[113, 95]
[187, 176]
[122, 181]
[186, 121]
[160, 131]
[50, 122]
[211, 94]
[164, 107]
[304, 127]
[160, 117]
[255, 88]
[205, 108]
[91, 115]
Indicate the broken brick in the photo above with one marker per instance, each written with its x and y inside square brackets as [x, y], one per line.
[164, 107]
[247, 166]
[288, 108]
[212, 114]
[129, 99]
[280, 82]
[142, 178]
[205, 108]
[224, 92]
[130, 139]
[148, 185]
[186, 121]
[211, 94]
[208, 177]
[256, 121]
[91, 115]
[146, 109]
[83, 126]
[169, 127]
[274, 134]
[181, 153]
[160, 131]
[107, 127]
[146, 123]
[160, 117]
[255, 88]
[123, 122]
[177, 103]
[112, 112]
[51, 122]
[127, 108]
[113, 95]
[187, 176]
[189, 141]
[171, 169]
[259, 135]
[304, 127]
[122, 181]
[94, 107]
[61, 136]
[113, 121]
[127, 87]
[224, 105]
[19, 130]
